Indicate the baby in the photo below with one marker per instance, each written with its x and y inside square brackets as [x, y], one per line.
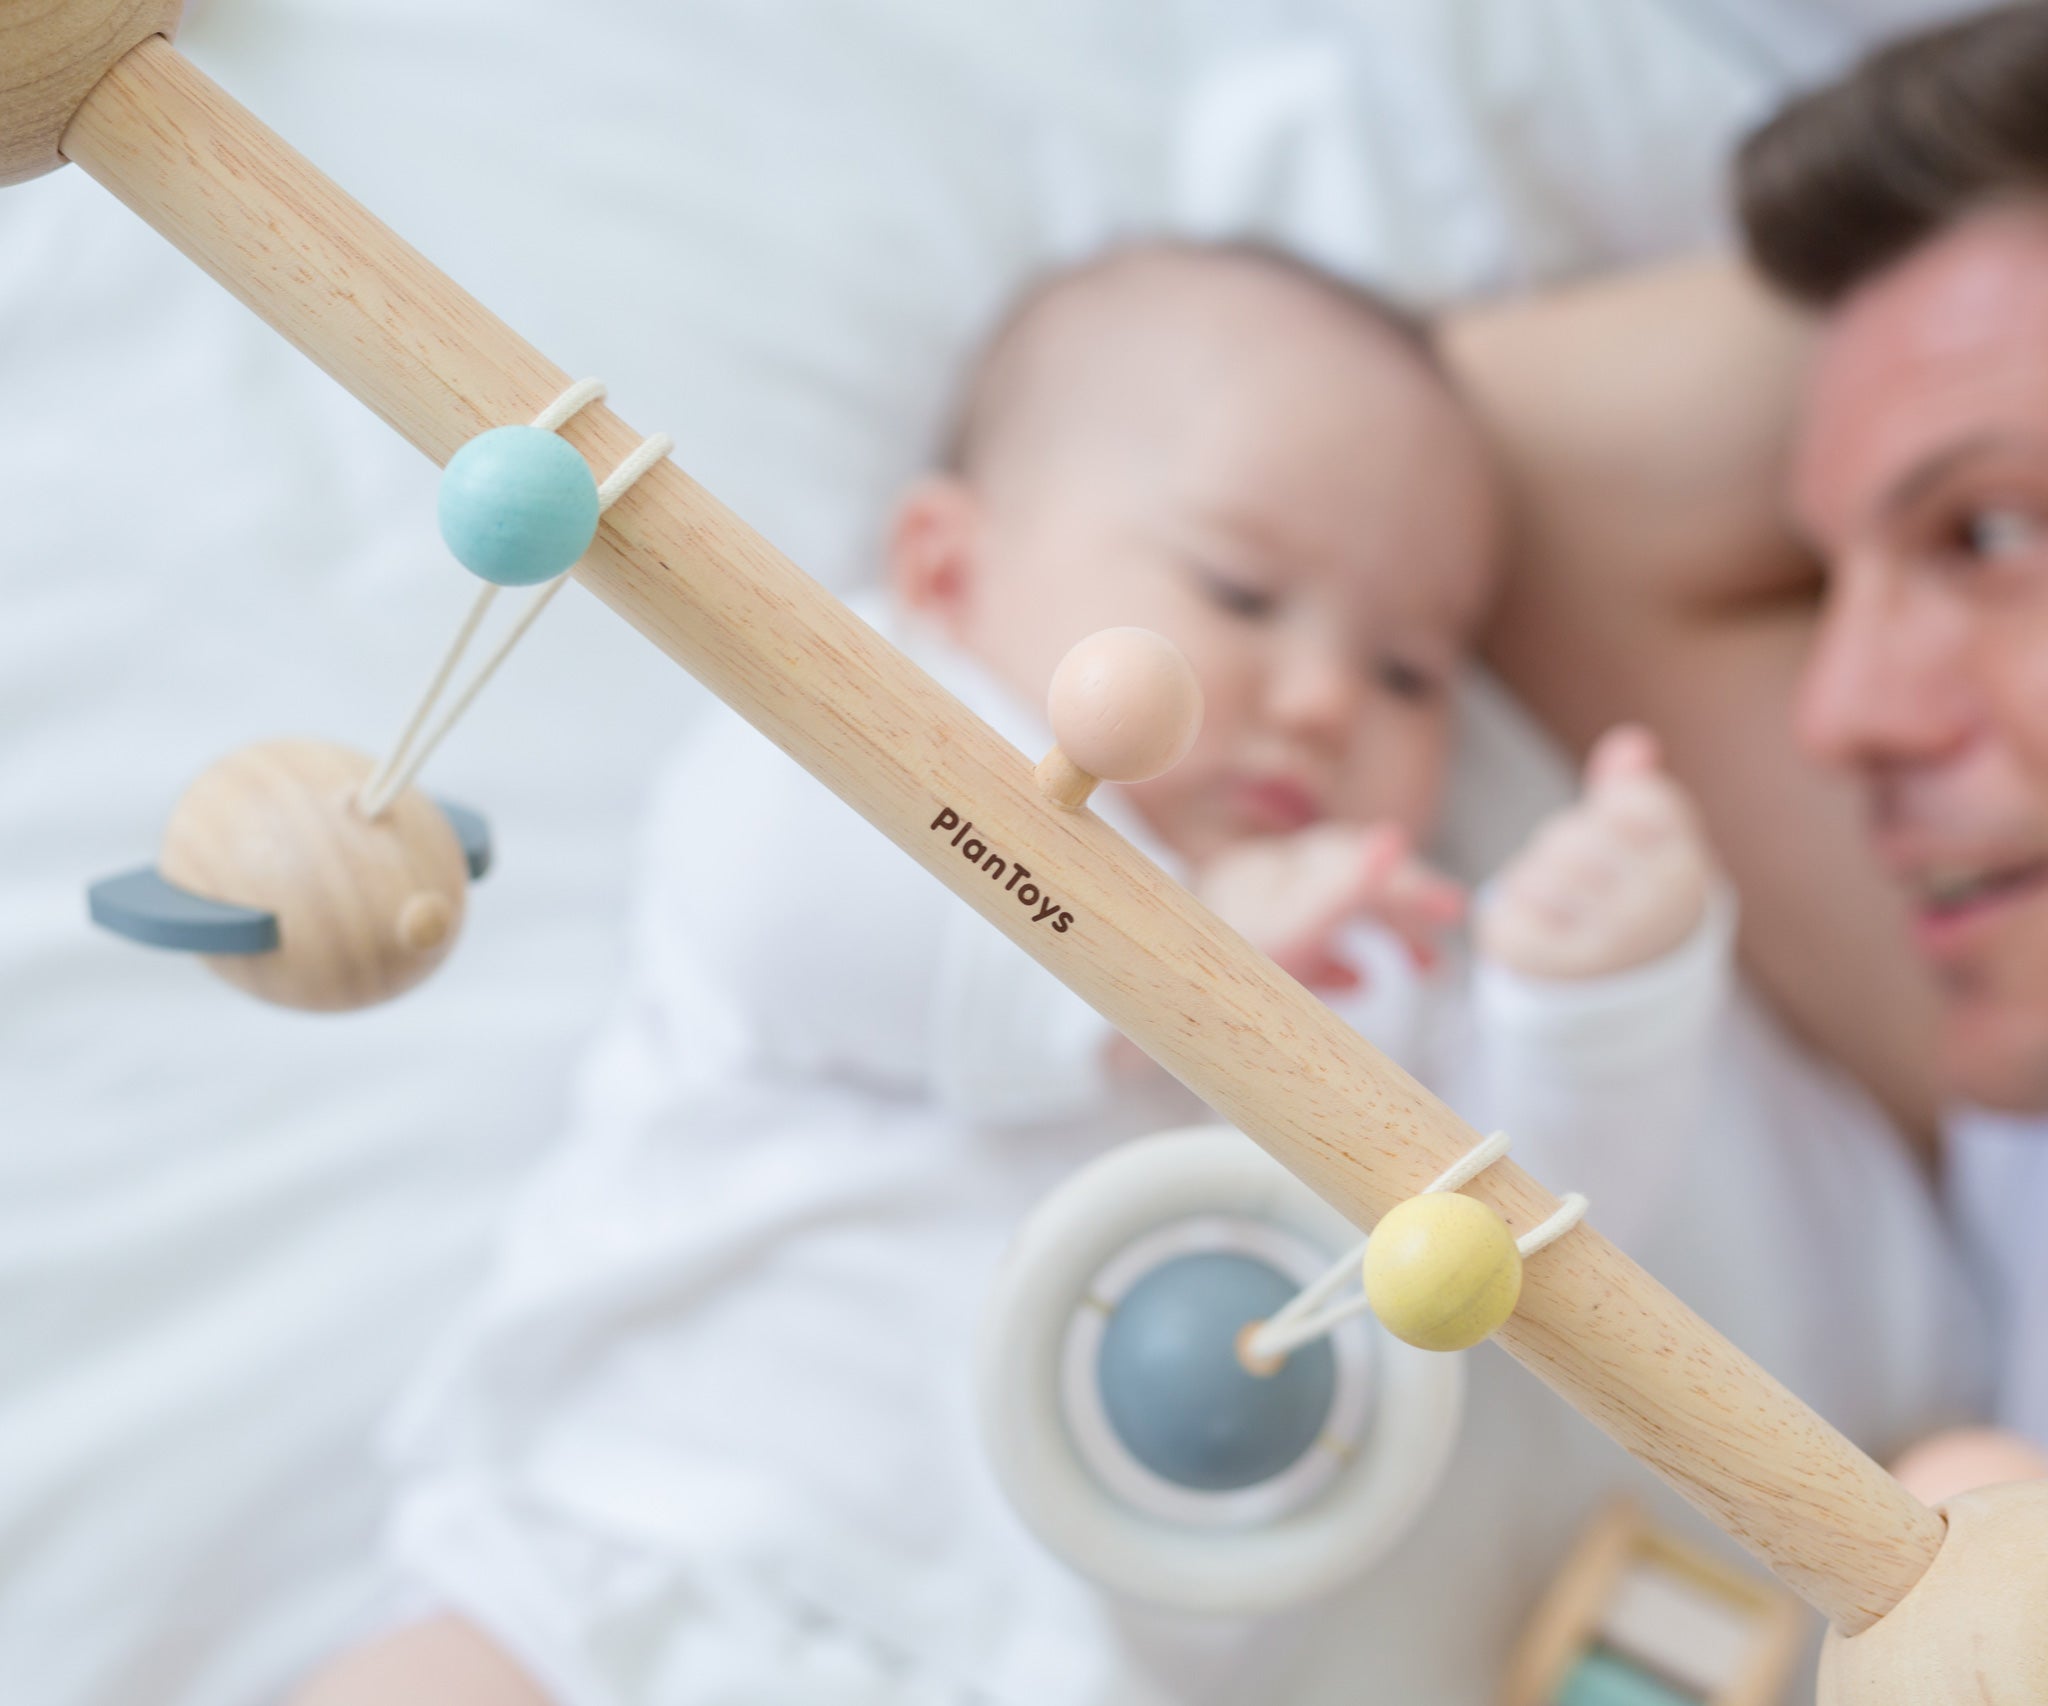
[707, 1436]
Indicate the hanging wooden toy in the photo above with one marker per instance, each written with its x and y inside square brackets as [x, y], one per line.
[1928, 1609]
[312, 876]
[1141, 1430]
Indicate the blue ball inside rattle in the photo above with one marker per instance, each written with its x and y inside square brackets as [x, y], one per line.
[518, 505]
[1178, 1397]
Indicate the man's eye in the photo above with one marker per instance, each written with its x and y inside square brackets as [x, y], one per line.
[1405, 680]
[2000, 532]
[1238, 597]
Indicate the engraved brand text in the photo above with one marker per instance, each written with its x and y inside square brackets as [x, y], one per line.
[1014, 878]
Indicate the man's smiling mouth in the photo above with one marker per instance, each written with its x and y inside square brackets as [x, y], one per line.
[1949, 889]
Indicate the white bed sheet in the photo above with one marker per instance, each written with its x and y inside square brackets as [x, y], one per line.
[225, 1231]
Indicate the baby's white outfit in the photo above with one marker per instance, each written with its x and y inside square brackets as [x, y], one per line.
[707, 1435]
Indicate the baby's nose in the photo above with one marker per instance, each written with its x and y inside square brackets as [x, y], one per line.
[1315, 688]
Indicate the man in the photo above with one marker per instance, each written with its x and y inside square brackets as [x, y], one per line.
[1908, 205]
[1921, 474]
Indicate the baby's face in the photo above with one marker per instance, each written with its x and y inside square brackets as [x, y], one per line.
[1315, 533]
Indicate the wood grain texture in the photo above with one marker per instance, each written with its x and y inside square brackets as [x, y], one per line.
[1974, 1632]
[1250, 1040]
[51, 54]
[1064, 782]
[364, 910]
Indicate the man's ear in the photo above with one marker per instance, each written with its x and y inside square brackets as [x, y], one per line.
[934, 552]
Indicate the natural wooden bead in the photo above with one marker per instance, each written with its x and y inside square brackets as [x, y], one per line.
[425, 922]
[1974, 1629]
[51, 54]
[364, 909]
[1442, 1271]
[1125, 706]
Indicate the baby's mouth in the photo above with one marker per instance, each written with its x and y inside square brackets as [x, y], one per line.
[1275, 805]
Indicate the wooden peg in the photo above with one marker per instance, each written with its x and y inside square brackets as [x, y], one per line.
[1125, 706]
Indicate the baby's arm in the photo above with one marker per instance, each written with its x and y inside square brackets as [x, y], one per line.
[1603, 962]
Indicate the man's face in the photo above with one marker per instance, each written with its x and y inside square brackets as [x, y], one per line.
[1922, 474]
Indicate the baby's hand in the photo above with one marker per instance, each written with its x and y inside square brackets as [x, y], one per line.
[1292, 895]
[1612, 883]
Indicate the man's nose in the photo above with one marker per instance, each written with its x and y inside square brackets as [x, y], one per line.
[1887, 680]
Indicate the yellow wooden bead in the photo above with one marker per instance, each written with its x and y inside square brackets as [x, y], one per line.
[1442, 1271]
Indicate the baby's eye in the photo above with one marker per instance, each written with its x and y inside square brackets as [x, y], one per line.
[1405, 680]
[1992, 532]
[1240, 598]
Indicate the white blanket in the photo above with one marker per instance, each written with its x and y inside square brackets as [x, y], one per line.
[226, 1231]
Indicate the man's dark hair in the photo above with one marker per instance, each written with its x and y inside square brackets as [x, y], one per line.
[1851, 177]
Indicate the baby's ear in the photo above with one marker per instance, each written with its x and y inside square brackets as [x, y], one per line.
[934, 551]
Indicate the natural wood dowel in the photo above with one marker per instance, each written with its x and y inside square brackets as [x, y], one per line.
[1255, 1044]
[1062, 781]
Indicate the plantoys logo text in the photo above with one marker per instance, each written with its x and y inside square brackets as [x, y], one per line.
[1015, 878]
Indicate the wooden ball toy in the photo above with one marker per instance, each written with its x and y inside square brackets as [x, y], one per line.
[1442, 1271]
[1125, 706]
[51, 55]
[1179, 1394]
[1973, 1631]
[518, 505]
[272, 872]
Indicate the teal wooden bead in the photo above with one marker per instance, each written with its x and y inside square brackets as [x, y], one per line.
[518, 505]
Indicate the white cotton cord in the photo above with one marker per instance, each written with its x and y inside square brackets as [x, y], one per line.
[644, 457]
[569, 405]
[1310, 1313]
[1476, 1160]
[403, 763]
[1317, 1309]
[1569, 1213]
[372, 790]
[376, 806]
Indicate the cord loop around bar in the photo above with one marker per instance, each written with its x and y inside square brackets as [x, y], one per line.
[409, 754]
[1318, 1308]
